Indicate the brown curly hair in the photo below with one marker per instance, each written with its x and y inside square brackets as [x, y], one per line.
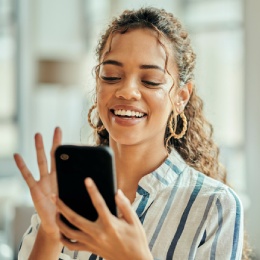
[197, 146]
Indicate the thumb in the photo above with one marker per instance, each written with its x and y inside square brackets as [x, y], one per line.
[124, 206]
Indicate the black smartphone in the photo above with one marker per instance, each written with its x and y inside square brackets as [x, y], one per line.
[73, 165]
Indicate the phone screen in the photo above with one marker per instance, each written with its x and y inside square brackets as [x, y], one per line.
[73, 165]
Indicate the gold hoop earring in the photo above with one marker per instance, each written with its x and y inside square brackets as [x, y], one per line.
[96, 128]
[184, 129]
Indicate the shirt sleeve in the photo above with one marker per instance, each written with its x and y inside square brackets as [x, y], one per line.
[29, 238]
[223, 236]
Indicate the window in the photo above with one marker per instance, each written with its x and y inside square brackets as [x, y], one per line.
[217, 33]
[8, 122]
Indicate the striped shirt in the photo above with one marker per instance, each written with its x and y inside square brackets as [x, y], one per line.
[185, 214]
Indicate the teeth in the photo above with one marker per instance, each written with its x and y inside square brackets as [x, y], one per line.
[128, 113]
[122, 112]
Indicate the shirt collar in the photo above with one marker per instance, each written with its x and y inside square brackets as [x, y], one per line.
[149, 185]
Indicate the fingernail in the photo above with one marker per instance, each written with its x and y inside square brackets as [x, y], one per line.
[120, 194]
[89, 182]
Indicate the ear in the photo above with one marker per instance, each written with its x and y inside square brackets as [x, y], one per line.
[182, 97]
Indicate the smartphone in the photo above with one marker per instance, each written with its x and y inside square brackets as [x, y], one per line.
[73, 165]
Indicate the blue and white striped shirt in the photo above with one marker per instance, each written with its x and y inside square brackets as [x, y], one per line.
[185, 214]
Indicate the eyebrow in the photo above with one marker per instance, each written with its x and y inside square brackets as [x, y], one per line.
[144, 66]
[112, 62]
[151, 67]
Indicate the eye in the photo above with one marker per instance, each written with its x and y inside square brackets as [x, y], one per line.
[110, 80]
[151, 83]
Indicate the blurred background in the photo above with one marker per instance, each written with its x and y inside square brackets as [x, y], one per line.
[47, 52]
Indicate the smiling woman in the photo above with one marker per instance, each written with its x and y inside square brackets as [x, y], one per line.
[173, 199]
[133, 77]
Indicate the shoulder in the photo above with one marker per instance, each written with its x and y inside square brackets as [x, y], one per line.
[193, 177]
[221, 199]
[195, 183]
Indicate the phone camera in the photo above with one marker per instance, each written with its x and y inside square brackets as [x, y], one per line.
[64, 156]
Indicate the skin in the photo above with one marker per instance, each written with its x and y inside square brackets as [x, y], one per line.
[140, 82]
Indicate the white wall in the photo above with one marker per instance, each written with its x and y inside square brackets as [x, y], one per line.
[252, 118]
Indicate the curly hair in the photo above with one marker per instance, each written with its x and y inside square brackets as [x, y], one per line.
[197, 146]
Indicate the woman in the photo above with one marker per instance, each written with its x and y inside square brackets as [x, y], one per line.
[172, 197]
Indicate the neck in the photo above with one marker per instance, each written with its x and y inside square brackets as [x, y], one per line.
[135, 161]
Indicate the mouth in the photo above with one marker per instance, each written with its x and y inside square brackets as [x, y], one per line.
[128, 113]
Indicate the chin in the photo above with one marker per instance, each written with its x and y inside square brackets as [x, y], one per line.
[126, 140]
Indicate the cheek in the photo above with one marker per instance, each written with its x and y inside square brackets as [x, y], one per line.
[103, 97]
[100, 98]
[103, 94]
[161, 98]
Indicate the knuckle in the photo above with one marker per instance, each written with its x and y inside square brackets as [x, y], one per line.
[27, 176]
[111, 228]
[23, 168]
[42, 161]
[102, 236]
[73, 219]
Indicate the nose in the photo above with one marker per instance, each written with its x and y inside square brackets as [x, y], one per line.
[128, 90]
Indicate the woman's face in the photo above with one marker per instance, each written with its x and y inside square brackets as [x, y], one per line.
[134, 88]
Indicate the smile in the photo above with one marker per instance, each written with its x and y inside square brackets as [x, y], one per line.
[128, 113]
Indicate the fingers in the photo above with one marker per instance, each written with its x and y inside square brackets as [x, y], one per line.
[24, 171]
[71, 238]
[70, 234]
[75, 219]
[125, 208]
[97, 200]
[57, 137]
[99, 203]
[83, 239]
[41, 157]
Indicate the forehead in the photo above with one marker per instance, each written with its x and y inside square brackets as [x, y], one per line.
[138, 45]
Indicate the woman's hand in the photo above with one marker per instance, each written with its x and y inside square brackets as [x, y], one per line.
[109, 237]
[42, 190]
